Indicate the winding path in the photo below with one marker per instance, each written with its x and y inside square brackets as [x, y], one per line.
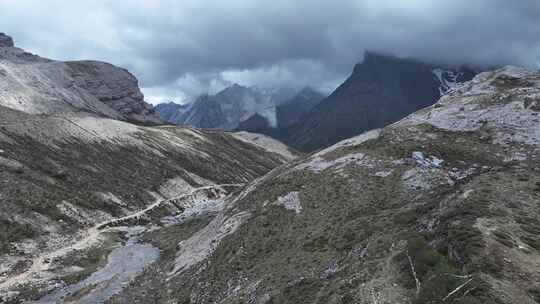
[42, 263]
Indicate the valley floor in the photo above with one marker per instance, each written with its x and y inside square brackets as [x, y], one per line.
[122, 249]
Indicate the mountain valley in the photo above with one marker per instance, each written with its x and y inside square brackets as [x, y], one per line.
[421, 184]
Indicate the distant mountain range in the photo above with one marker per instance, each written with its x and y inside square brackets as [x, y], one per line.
[228, 108]
[381, 90]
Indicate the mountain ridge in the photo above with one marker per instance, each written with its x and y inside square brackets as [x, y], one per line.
[381, 90]
[38, 85]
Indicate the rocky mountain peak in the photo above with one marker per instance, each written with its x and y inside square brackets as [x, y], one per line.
[6, 41]
[37, 85]
[381, 90]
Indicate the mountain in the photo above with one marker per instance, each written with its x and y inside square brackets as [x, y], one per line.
[228, 108]
[440, 207]
[81, 184]
[37, 85]
[171, 111]
[278, 95]
[256, 123]
[294, 109]
[288, 114]
[381, 90]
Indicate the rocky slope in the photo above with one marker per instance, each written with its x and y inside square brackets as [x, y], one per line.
[37, 85]
[440, 207]
[381, 90]
[64, 176]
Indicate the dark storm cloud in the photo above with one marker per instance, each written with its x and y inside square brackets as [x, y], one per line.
[182, 48]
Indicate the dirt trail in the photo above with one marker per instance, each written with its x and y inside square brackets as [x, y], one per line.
[42, 263]
[159, 203]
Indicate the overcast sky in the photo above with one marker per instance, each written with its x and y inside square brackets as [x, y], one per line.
[179, 49]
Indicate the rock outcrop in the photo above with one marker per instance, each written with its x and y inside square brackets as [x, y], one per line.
[6, 41]
[35, 85]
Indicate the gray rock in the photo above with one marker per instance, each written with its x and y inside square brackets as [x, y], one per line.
[37, 85]
[6, 41]
[114, 86]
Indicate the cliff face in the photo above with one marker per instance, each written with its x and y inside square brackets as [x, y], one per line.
[113, 86]
[35, 85]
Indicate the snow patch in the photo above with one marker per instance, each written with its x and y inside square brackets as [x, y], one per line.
[447, 79]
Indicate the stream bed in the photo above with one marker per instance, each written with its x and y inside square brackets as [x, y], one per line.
[123, 264]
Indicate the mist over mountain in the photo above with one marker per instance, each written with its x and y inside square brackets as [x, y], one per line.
[287, 114]
[265, 152]
[228, 108]
[381, 90]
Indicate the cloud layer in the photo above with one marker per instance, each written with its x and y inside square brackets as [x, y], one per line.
[183, 48]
